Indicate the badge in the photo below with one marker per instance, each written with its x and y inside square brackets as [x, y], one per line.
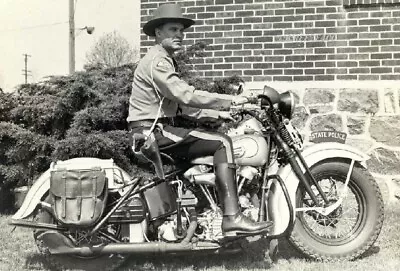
[163, 64]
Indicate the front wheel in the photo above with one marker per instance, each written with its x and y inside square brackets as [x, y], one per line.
[351, 229]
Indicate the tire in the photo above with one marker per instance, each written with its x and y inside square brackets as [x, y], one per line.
[338, 241]
[67, 262]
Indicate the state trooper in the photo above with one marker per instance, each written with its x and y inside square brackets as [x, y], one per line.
[159, 95]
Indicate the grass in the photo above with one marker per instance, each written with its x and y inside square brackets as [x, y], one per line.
[18, 252]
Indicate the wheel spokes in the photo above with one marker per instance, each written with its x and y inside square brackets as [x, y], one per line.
[342, 221]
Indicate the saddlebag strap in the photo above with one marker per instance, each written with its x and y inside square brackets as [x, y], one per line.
[64, 198]
[79, 197]
[94, 187]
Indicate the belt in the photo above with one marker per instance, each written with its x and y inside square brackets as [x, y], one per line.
[149, 122]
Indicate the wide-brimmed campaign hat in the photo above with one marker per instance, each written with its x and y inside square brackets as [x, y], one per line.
[166, 13]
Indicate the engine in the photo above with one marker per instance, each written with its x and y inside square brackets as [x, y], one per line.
[210, 221]
[210, 225]
[140, 220]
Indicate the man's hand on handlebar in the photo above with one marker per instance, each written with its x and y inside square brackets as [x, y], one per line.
[252, 104]
[226, 115]
[239, 100]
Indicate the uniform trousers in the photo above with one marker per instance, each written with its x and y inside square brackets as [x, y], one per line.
[190, 144]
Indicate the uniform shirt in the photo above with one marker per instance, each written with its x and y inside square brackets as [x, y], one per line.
[155, 79]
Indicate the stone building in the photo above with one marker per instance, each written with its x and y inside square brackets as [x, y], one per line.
[340, 57]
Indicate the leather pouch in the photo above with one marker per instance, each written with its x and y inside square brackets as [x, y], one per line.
[79, 196]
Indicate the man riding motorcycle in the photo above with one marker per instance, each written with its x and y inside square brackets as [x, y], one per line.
[158, 95]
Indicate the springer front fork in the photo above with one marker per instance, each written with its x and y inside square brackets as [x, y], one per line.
[330, 208]
[307, 180]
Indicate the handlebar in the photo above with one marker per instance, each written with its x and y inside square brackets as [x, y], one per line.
[252, 100]
[238, 113]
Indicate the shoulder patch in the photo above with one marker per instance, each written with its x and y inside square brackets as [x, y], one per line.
[163, 63]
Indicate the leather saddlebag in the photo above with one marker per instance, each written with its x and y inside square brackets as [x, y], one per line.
[79, 196]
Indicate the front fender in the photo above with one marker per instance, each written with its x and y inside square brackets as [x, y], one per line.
[115, 175]
[278, 210]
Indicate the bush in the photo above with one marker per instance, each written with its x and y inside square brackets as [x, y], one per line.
[63, 117]
[23, 156]
[8, 101]
[112, 144]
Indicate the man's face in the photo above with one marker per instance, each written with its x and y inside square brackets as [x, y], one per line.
[171, 36]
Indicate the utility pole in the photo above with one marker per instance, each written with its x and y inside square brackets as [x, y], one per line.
[71, 37]
[26, 71]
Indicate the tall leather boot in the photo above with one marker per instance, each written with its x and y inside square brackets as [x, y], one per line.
[234, 222]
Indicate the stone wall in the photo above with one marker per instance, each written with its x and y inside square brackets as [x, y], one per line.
[369, 112]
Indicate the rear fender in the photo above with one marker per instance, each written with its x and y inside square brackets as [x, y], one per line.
[115, 175]
[38, 190]
[278, 210]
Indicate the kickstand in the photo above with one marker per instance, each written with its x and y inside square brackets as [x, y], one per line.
[273, 250]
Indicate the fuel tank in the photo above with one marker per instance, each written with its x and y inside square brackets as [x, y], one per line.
[250, 150]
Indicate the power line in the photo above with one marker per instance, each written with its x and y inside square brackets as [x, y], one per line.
[32, 27]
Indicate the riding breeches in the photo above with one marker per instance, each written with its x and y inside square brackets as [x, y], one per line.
[191, 144]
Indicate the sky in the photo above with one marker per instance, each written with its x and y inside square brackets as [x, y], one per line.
[40, 29]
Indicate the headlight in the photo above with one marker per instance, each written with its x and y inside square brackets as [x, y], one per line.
[286, 104]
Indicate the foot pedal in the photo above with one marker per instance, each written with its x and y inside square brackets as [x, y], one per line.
[239, 234]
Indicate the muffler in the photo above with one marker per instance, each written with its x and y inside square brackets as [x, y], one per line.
[57, 243]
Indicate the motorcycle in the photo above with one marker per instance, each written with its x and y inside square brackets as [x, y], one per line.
[320, 197]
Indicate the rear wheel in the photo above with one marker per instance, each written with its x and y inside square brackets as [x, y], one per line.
[67, 262]
[351, 229]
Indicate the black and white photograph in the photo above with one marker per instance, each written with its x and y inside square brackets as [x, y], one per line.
[200, 135]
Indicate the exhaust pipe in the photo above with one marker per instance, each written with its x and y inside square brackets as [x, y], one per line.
[57, 243]
[126, 248]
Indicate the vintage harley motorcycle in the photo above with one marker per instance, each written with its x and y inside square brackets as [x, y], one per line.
[320, 197]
